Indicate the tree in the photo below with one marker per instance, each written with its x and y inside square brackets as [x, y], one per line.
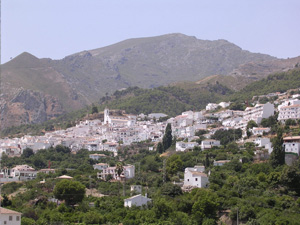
[251, 124]
[171, 190]
[71, 191]
[94, 109]
[63, 149]
[160, 148]
[290, 122]
[119, 169]
[5, 201]
[207, 162]
[167, 139]
[291, 177]
[277, 156]
[27, 152]
[205, 205]
[174, 164]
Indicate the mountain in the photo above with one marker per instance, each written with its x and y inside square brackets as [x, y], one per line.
[171, 100]
[85, 77]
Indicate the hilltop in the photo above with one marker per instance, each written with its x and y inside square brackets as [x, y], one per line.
[85, 77]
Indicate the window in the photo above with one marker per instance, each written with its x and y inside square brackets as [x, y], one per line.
[196, 179]
[5, 222]
[18, 218]
[188, 179]
[10, 218]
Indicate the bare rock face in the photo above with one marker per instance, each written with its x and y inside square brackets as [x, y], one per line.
[28, 107]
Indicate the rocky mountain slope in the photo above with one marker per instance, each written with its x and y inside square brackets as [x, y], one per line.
[82, 78]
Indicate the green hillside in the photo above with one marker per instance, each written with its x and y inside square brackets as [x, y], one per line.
[279, 82]
[171, 100]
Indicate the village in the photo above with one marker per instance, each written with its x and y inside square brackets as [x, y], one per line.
[122, 130]
[119, 130]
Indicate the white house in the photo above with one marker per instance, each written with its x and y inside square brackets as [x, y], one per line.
[195, 177]
[292, 149]
[9, 217]
[289, 102]
[224, 104]
[23, 172]
[209, 143]
[182, 146]
[137, 200]
[156, 115]
[263, 142]
[211, 106]
[110, 147]
[292, 145]
[258, 112]
[100, 166]
[128, 172]
[289, 112]
[260, 130]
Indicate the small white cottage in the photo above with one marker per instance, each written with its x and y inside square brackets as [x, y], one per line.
[9, 217]
[137, 200]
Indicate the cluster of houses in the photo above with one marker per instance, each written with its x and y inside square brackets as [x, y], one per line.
[125, 129]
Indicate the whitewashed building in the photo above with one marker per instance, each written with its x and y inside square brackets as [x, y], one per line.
[23, 172]
[100, 166]
[260, 130]
[258, 112]
[137, 200]
[128, 172]
[224, 104]
[292, 145]
[9, 217]
[183, 146]
[209, 143]
[289, 112]
[211, 106]
[195, 177]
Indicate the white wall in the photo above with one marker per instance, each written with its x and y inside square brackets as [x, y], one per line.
[5, 219]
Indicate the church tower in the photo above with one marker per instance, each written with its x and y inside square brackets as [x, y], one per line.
[106, 116]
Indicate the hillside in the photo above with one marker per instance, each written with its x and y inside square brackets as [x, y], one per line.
[85, 77]
[171, 100]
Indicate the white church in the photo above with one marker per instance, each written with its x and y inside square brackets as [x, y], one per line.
[123, 120]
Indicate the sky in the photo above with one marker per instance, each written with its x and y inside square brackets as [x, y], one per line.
[58, 28]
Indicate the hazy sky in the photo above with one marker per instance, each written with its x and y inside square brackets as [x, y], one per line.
[57, 28]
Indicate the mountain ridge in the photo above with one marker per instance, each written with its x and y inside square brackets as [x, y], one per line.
[81, 78]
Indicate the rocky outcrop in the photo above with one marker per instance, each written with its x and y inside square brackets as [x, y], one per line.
[29, 107]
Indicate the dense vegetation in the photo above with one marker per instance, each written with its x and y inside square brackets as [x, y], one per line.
[279, 82]
[263, 192]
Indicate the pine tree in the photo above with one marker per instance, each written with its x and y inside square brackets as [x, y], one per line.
[167, 139]
[207, 162]
[278, 154]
